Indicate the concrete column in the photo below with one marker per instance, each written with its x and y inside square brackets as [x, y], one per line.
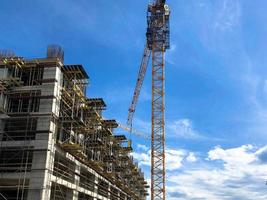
[43, 161]
[96, 186]
[109, 191]
[37, 187]
[69, 195]
[2, 126]
[76, 181]
[1, 131]
[77, 171]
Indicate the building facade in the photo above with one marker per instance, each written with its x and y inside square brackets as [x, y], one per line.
[54, 142]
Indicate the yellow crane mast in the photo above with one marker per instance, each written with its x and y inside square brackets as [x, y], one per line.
[158, 40]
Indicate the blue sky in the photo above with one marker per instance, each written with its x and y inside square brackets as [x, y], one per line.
[216, 81]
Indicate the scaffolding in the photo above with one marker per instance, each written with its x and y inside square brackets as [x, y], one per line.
[49, 128]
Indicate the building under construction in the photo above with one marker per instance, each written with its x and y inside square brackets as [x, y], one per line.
[54, 142]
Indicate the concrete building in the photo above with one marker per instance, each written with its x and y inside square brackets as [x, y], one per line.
[54, 142]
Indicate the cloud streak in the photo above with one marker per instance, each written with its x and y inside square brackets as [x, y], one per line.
[183, 128]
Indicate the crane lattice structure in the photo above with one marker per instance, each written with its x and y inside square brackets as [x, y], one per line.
[158, 40]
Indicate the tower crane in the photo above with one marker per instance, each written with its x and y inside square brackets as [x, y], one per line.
[157, 41]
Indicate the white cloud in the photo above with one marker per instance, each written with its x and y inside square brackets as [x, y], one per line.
[142, 158]
[183, 128]
[262, 154]
[240, 155]
[142, 147]
[171, 54]
[175, 158]
[191, 157]
[218, 21]
[225, 174]
[229, 15]
[237, 175]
